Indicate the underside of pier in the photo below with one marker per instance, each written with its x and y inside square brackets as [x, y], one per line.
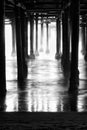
[34, 79]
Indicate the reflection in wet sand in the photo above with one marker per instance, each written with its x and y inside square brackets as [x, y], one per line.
[45, 90]
[46, 86]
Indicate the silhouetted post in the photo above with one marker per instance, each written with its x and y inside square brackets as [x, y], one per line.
[2, 50]
[26, 35]
[23, 38]
[47, 27]
[19, 44]
[2, 102]
[32, 56]
[73, 102]
[74, 75]
[61, 37]
[41, 50]
[70, 30]
[66, 43]
[83, 35]
[13, 37]
[37, 53]
[58, 35]
[85, 57]
[70, 35]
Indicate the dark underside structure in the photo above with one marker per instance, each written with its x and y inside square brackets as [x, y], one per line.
[41, 85]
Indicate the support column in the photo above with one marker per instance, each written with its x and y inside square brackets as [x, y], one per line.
[70, 32]
[70, 37]
[19, 45]
[2, 50]
[58, 53]
[85, 57]
[13, 38]
[73, 101]
[26, 35]
[74, 76]
[23, 38]
[66, 43]
[47, 27]
[32, 56]
[83, 33]
[37, 53]
[41, 50]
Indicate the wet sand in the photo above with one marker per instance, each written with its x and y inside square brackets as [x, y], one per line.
[45, 121]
